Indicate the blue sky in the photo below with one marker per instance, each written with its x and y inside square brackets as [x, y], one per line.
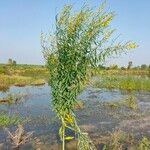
[21, 22]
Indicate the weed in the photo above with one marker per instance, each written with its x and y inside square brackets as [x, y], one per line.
[6, 120]
[116, 141]
[144, 144]
[73, 48]
[19, 137]
[131, 103]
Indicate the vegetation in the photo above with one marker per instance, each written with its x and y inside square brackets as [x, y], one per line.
[130, 64]
[123, 82]
[129, 102]
[116, 141]
[79, 43]
[19, 137]
[124, 72]
[75, 52]
[119, 140]
[21, 75]
[144, 144]
[129, 68]
[11, 99]
[5, 120]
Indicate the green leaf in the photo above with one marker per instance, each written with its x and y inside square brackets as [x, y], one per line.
[69, 138]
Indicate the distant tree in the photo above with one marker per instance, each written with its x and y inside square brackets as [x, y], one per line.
[101, 67]
[144, 66]
[149, 70]
[14, 62]
[114, 66]
[10, 61]
[123, 68]
[136, 67]
[130, 63]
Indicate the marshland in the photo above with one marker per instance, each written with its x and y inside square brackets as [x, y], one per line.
[69, 81]
[114, 107]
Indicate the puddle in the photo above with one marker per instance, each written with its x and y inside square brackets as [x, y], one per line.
[94, 117]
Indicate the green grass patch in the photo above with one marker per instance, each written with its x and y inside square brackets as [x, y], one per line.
[123, 83]
[6, 81]
[21, 75]
[6, 120]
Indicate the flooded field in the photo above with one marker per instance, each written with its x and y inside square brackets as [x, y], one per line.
[99, 116]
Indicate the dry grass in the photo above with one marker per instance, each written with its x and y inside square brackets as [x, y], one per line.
[19, 137]
[130, 102]
[6, 81]
[119, 140]
[22, 75]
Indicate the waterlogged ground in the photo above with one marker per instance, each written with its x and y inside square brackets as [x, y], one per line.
[97, 117]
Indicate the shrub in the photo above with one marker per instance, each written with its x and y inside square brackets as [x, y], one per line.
[77, 45]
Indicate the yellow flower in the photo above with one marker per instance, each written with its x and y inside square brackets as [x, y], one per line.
[131, 45]
[69, 119]
[106, 21]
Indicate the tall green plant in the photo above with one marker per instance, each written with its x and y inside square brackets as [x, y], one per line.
[81, 41]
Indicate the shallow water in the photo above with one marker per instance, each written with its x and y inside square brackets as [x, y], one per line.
[94, 118]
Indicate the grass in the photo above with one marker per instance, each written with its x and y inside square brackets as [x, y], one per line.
[35, 71]
[11, 99]
[21, 75]
[4, 87]
[19, 137]
[6, 120]
[144, 144]
[126, 72]
[129, 102]
[6, 81]
[128, 83]
[118, 140]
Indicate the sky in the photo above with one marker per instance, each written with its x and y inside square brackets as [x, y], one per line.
[21, 22]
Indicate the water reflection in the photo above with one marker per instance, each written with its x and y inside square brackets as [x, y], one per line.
[94, 117]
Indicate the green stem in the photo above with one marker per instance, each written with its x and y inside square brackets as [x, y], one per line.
[70, 128]
[63, 134]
